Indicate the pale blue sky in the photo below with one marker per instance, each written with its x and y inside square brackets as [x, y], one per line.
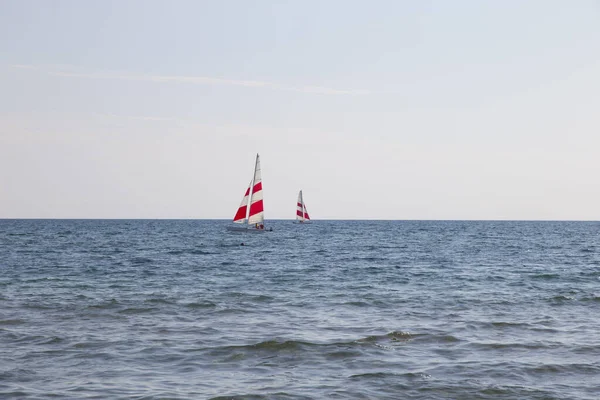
[380, 109]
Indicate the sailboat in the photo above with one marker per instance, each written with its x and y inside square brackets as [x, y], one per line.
[251, 218]
[301, 213]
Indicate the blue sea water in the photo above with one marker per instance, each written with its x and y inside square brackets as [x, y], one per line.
[179, 309]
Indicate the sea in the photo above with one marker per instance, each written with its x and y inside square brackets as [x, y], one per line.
[184, 309]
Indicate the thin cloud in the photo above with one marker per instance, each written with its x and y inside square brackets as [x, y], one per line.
[323, 90]
[24, 66]
[137, 117]
[194, 80]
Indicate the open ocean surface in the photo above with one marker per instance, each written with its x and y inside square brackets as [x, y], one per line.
[178, 309]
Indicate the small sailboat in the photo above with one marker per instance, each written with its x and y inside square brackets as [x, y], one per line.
[251, 218]
[301, 213]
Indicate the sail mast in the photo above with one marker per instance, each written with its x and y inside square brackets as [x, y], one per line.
[299, 213]
[249, 197]
[302, 202]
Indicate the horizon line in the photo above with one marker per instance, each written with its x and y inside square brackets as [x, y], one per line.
[293, 219]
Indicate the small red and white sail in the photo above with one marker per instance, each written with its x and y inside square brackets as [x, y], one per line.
[301, 213]
[242, 212]
[257, 211]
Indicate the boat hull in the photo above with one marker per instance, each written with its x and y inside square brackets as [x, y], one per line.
[247, 229]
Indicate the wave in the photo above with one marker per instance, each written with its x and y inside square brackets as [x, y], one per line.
[141, 260]
[242, 397]
[357, 303]
[368, 258]
[267, 396]
[250, 296]
[12, 322]
[342, 354]
[112, 303]
[137, 310]
[587, 349]
[395, 336]
[506, 324]
[561, 298]
[205, 304]
[545, 276]
[18, 375]
[392, 375]
[159, 301]
[566, 298]
[53, 340]
[593, 297]
[438, 338]
[36, 306]
[552, 369]
[189, 251]
[275, 345]
[513, 346]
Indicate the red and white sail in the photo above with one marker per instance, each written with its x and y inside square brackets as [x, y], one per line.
[301, 213]
[242, 213]
[257, 211]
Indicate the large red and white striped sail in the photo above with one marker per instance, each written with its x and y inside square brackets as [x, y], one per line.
[251, 210]
[301, 213]
[257, 211]
[242, 213]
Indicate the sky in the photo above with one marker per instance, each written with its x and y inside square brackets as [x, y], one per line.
[377, 110]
